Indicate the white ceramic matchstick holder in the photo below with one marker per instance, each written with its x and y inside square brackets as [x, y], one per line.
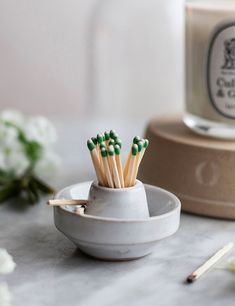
[125, 203]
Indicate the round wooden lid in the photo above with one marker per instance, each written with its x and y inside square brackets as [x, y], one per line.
[199, 170]
[173, 128]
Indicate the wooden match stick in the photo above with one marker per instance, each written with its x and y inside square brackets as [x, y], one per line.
[94, 139]
[126, 167]
[80, 209]
[113, 164]
[136, 139]
[95, 159]
[104, 155]
[137, 162]
[100, 138]
[209, 263]
[146, 143]
[119, 164]
[107, 137]
[103, 145]
[134, 151]
[59, 202]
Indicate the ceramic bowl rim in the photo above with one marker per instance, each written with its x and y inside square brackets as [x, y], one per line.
[117, 190]
[120, 220]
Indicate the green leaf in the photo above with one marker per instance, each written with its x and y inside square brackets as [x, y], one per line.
[8, 191]
[33, 151]
[32, 148]
[34, 190]
[4, 177]
[43, 187]
[31, 196]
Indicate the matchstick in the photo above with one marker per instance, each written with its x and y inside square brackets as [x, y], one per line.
[112, 133]
[103, 145]
[107, 137]
[104, 155]
[136, 162]
[100, 139]
[80, 210]
[113, 164]
[94, 156]
[119, 164]
[118, 142]
[136, 139]
[111, 142]
[209, 263]
[59, 202]
[146, 143]
[94, 139]
[127, 179]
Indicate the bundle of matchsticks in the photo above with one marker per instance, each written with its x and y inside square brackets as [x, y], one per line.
[105, 150]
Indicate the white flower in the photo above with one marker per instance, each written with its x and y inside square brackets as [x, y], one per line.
[12, 154]
[41, 130]
[2, 160]
[8, 135]
[16, 161]
[5, 295]
[12, 116]
[47, 165]
[13, 158]
[7, 265]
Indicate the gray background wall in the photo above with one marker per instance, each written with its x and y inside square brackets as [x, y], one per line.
[70, 57]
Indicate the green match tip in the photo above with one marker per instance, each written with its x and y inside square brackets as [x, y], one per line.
[117, 149]
[146, 143]
[111, 150]
[102, 145]
[140, 145]
[112, 134]
[90, 144]
[94, 140]
[111, 142]
[99, 138]
[106, 135]
[104, 152]
[134, 149]
[115, 136]
[136, 139]
[118, 142]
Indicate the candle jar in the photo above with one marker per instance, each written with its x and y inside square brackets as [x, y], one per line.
[210, 67]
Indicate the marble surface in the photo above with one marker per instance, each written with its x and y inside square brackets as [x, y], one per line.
[51, 271]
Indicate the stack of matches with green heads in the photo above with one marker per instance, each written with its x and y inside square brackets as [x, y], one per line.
[105, 150]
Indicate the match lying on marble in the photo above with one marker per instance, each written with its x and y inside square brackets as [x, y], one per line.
[105, 151]
[209, 263]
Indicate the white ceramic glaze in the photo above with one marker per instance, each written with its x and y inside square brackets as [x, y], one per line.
[127, 203]
[118, 239]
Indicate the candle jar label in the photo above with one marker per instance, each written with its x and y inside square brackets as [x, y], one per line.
[221, 70]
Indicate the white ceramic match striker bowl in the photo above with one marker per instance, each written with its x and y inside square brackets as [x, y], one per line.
[127, 203]
[118, 238]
